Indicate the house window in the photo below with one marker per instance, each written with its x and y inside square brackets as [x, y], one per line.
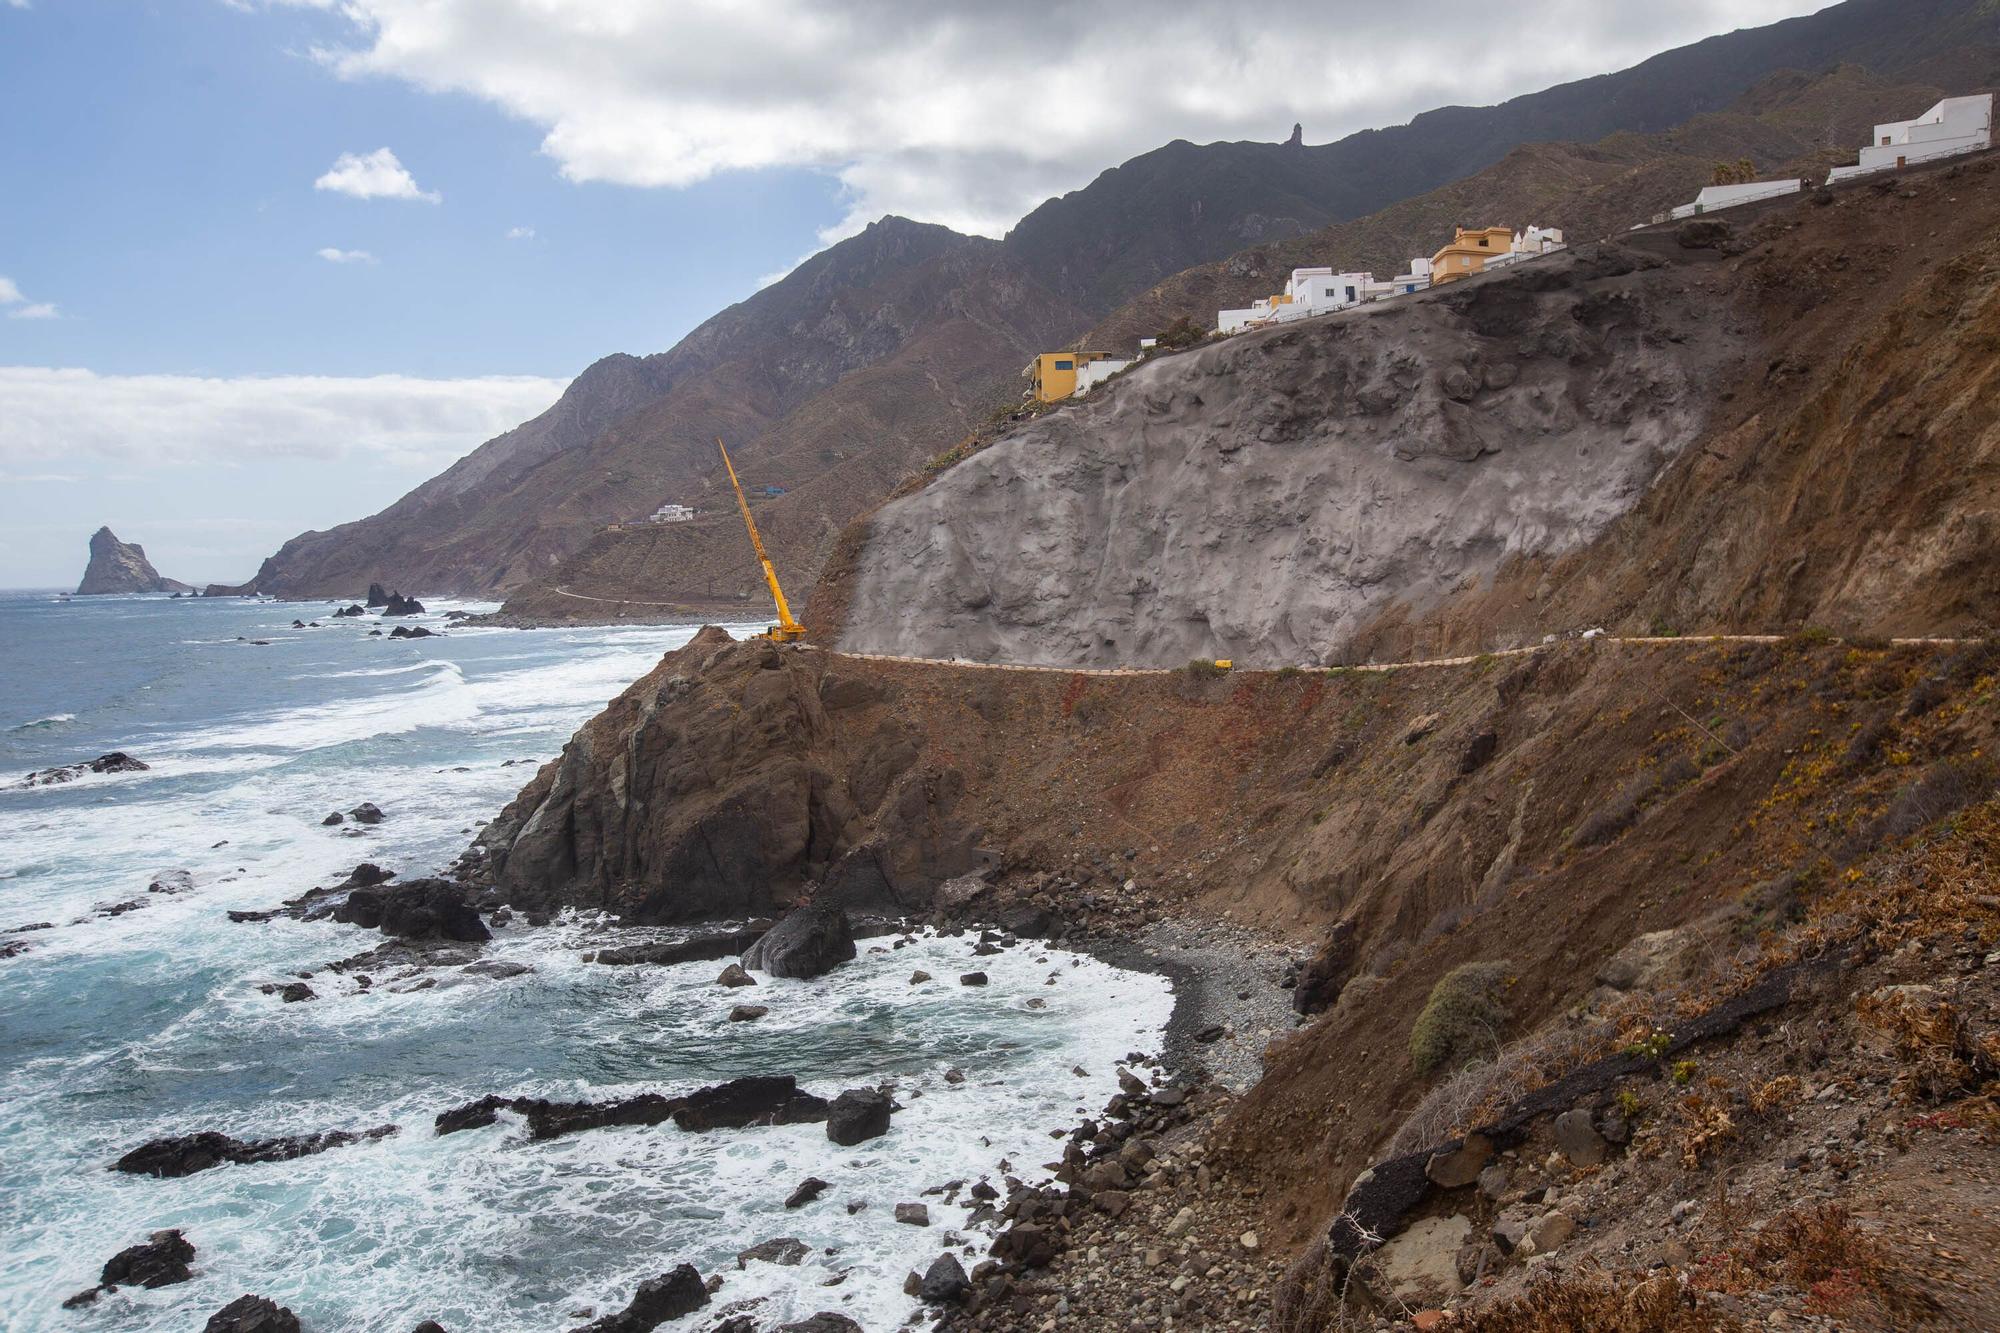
[1484, 242]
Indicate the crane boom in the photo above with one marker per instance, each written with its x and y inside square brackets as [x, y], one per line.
[787, 629]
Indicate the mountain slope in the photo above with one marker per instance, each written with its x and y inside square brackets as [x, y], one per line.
[1187, 204]
[1527, 452]
[1789, 123]
[633, 433]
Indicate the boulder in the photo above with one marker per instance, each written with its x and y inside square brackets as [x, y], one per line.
[1461, 1166]
[423, 909]
[335, 818]
[291, 992]
[347, 611]
[944, 1282]
[786, 1252]
[366, 813]
[701, 949]
[1420, 1266]
[1578, 1139]
[809, 1189]
[913, 1214]
[171, 881]
[734, 975]
[252, 1314]
[857, 1115]
[115, 762]
[809, 942]
[972, 979]
[161, 1261]
[659, 1299]
[748, 1013]
[826, 1321]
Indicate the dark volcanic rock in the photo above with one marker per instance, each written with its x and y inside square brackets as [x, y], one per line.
[809, 1189]
[399, 605]
[944, 1281]
[785, 1251]
[857, 1115]
[252, 1314]
[826, 1321]
[758, 1100]
[185, 1154]
[115, 762]
[348, 611]
[410, 632]
[701, 949]
[117, 566]
[810, 942]
[659, 1299]
[377, 595]
[161, 1261]
[366, 813]
[423, 909]
[291, 992]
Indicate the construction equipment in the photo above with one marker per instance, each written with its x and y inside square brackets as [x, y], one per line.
[786, 630]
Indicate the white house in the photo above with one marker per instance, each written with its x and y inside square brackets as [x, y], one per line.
[1321, 291]
[1729, 196]
[1529, 244]
[1090, 374]
[1955, 125]
[671, 513]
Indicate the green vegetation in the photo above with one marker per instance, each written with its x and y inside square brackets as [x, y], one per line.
[1183, 332]
[1201, 668]
[1462, 1018]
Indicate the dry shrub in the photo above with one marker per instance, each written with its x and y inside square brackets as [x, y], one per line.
[1944, 788]
[1307, 1299]
[1202, 668]
[1462, 1018]
[1779, 1093]
[1942, 1057]
[1595, 1302]
[1704, 1124]
[1478, 1093]
[1822, 1252]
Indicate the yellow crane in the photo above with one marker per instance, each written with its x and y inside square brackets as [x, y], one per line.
[786, 630]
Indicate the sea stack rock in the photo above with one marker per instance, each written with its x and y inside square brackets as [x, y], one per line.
[117, 566]
[377, 595]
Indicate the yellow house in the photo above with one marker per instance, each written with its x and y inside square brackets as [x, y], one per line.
[1468, 252]
[1052, 375]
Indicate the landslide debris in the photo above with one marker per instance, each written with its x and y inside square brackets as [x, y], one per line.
[1262, 498]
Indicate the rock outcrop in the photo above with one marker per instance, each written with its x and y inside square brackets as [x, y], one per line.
[115, 762]
[423, 909]
[186, 1154]
[810, 942]
[117, 566]
[722, 784]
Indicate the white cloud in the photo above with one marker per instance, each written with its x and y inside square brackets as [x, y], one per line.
[71, 417]
[376, 175]
[37, 310]
[520, 233]
[333, 255]
[9, 293]
[969, 113]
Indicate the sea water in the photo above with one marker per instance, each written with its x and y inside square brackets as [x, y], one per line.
[115, 1029]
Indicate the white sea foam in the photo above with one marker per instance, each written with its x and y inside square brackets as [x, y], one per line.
[126, 1027]
[44, 723]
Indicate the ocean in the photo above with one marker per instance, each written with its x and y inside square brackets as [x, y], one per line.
[116, 1028]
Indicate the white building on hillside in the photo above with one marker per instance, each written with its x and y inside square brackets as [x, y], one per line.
[1532, 243]
[1729, 196]
[1321, 291]
[1955, 125]
[671, 513]
[1093, 373]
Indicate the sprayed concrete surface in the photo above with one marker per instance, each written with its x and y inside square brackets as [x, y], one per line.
[1262, 498]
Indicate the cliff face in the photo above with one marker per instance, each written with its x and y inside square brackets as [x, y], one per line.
[724, 781]
[1260, 499]
[117, 566]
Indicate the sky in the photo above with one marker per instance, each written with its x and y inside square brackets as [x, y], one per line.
[267, 264]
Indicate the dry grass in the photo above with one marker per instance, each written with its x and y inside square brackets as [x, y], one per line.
[1596, 1302]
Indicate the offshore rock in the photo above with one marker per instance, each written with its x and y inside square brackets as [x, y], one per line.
[115, 762]
[117, 566]
[161, 1261]
[659, 1299]
[186, 1154]
[252, 1314]
[767, 1099]
[809, 942]
[857, 1115]
[423, 909]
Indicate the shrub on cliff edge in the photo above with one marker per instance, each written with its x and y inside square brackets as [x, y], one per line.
[1462, 1018]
